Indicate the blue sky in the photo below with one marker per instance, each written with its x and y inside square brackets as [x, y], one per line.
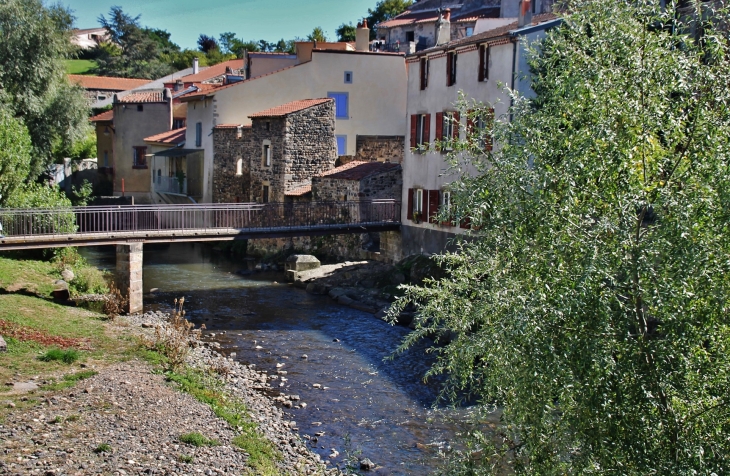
[249, 19]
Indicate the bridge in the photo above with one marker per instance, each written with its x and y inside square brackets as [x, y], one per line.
[129, 227]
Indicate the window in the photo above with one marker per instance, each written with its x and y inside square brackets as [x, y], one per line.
[159, 176]
[420, 130]
[101, 98]
[239, 167]
[348, 77]
[342, 110]
[483, 62]
[198, 134]
[178, 123]
[446, 206]
[451, 68]
[418, 202]
[140, 107]
[410, 36]
[106, 158]
[424, 73]
[268, 125]
[341, 145]
[469, 31]
[265, 194]
[267, 155]
[447, 126]
[239, 132]
[480, 127]
[140, 158]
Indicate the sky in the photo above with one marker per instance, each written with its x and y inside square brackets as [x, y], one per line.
[270, 20]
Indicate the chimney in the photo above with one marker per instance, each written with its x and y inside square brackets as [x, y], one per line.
[196, 67]
[525, 15]
[443, 27]
[362, 36]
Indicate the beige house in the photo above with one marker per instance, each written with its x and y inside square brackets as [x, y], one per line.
[368, 89]
[479, 66]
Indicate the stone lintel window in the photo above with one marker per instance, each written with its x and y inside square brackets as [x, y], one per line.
[266, 154]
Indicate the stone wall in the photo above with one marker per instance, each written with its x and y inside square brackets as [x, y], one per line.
[327, 248]
[329, 189]
[228, 148]
[380, 148]
[388, 184]
[311, 147]
[271, 129]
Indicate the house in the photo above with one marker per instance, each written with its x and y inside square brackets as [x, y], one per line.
[427, 23]
[89, 38]
[358, 181]
[280, 151]
[175, 177]
[368, 89]
[479, 66]
[100, 90]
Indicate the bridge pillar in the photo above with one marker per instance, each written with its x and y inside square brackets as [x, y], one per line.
[129, 274]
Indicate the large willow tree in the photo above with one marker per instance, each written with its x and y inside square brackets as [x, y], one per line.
[591, 305]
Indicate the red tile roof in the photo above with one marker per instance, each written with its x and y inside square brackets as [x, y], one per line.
[104, 116]
[212, 71]
[107, 82]
[202, 90]
[173, 137]
[358, 170]
[410, 18]
[143, 96]
[474, 15]
[299, 191]
[290, 107]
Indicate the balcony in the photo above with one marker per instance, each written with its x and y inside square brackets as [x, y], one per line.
[171, 185]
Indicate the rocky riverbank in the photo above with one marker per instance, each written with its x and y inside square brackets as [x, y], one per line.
[127, 419]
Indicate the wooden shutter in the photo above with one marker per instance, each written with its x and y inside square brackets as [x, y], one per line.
[481, 62]
[433, 205]
[422, 64]
[414, 128]
[488, 140]
[409, 211]
[439, 126]
[449, 58]
[485, 71]
[456, 118]
[427, 129]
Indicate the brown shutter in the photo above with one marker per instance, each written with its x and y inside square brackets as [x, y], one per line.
[427, 129]
[448, 69]
[485, 72]
[488, 140]
[433, 205]
[481, 62]
[439, 126]
[423, 73]
[414, 127]
[409, 211]
[457, 118]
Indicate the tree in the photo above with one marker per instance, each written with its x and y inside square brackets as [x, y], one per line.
[33, 86]
[16, 149]
[139, 48]
[162, 38]
[385, 10]
[317, 35]
[590, 302]
[346, 32]
[207, 43]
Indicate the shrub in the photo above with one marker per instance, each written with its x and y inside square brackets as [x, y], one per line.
[196, 439]
[66, 356]
[103, 448]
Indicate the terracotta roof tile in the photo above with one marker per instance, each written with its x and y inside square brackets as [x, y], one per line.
[173, 137]
[290, 107]
[142, 96]
[358, 170]
[106, 82]
[474, 15]
[212, 71]
[299, 191]
[200, 90]
[104, 116]
[410, 18]
[231, 126]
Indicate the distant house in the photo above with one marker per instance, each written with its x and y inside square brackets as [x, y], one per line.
[89, 38]
[100, 90]
[172, 174]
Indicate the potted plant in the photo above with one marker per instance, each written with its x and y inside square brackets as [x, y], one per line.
[417, 216]
[180, 176]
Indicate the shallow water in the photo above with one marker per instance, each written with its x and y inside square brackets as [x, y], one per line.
[367, 406]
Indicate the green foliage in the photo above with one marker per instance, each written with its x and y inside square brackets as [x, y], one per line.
[184, 59]
[317, 35]
[35, 195]
[103, 448]
[80, 66]
[15, 153]
[66, 356]
[36, 42]
[346, 32]
[196, 439]
[590, 303]
[139, 50]
[385, 10]
[186, 459]
[83, 147]
[80, 196]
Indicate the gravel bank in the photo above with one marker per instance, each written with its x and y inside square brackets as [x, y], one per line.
[141, 417]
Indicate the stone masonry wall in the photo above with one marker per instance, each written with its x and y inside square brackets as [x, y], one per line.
[275, 174]
[383, 185]
[311, 146]
[380, 148]
[329, 189]
[228, 186]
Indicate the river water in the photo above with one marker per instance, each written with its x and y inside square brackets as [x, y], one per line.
[365, 406]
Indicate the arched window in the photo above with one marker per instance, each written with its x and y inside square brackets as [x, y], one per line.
[239, 167]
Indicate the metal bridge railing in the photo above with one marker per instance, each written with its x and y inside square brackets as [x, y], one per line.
[200, 217]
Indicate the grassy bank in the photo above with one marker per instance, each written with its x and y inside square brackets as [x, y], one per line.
[79, 66]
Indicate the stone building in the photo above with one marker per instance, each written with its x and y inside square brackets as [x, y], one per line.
[99, 90]
[282, 149]
[359, 181]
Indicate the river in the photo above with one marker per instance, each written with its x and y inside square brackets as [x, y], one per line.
[365, 405]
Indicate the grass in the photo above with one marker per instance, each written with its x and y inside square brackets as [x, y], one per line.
[185, 459]
[66, 356]
[69, 380]
[196, 439]
[80, 66]
[103, 448]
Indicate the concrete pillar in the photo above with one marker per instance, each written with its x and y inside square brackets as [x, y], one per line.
[129, 274]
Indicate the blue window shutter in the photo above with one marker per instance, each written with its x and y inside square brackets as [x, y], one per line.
[341, 145]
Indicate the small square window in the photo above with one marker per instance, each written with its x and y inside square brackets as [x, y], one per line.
[348, 77]
[268, 126]
[140, 107]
